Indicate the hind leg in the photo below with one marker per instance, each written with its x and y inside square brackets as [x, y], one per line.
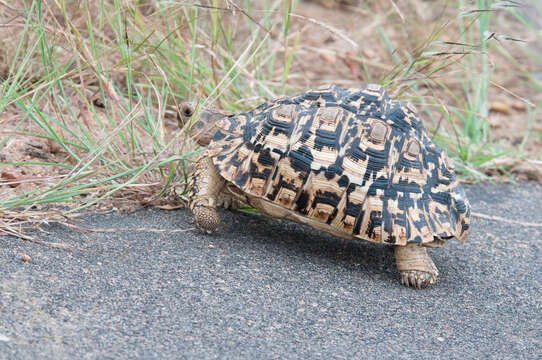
[416, 267]
[206, 187]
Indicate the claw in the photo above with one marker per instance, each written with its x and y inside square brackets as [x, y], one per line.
[404, 280]
[416, 267]
[412, 279]
[417, 279]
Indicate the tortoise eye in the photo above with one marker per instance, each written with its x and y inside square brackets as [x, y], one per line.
[187, 112]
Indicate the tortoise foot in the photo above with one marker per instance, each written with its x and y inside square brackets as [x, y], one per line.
[417, 279]
[416, 267]
[206, 218]
[229, 202]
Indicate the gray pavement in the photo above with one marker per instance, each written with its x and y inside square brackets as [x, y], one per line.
[270, 289]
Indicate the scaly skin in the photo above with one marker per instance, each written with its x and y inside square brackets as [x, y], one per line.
[416, 267]
[205, 189]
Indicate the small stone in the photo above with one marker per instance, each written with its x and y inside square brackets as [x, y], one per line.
[4, 338]
[440, 338]
[329, 58]
[36, 151]
[518, 106]
[500, 108]
[301, 310]
[54, 147]
[10, 178]
[211, 246]
[26, 258]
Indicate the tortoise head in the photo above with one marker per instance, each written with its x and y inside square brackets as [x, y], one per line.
[202, 124]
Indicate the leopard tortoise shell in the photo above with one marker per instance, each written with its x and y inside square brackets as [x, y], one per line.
[351, 162]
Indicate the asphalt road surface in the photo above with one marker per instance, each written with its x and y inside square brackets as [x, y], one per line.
[270, 289]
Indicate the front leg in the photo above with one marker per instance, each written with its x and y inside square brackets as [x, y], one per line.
[206, 186]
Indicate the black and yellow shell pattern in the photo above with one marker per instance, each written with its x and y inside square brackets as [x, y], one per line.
[351, 158]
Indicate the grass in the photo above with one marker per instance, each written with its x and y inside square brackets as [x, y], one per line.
[97, 83]
[467, 138]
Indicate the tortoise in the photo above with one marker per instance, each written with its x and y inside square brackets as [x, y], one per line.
[350, 162]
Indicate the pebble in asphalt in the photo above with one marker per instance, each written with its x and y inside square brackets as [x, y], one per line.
[271, 289]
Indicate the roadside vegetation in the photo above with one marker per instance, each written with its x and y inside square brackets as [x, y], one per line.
[91, 89]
